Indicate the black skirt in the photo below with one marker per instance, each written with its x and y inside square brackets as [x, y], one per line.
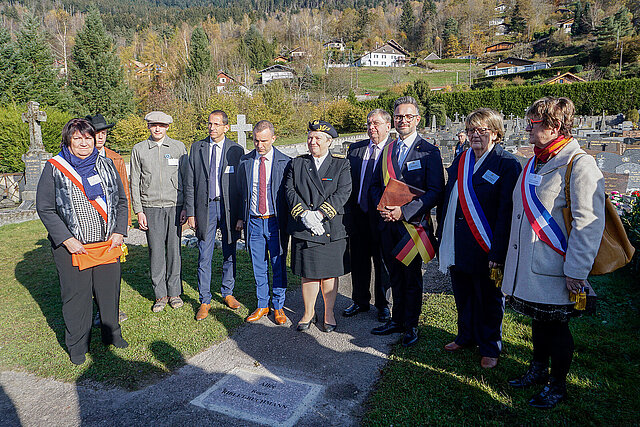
[542, 312]
[320, 261]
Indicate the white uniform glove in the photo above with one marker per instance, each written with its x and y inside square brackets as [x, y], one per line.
[307, 219]
[318, 216]
[318, 229]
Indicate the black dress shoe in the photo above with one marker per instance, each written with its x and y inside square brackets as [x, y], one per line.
[77, 359]
[121, 344]
[384, 314]
[354, 309]
[552, 394]
[305, 326]
[388, 328]
[410, 337]
[538, 373]
[328, 327]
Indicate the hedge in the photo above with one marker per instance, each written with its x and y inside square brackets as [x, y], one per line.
[590, 98]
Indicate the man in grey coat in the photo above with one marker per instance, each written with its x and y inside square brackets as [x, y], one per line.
[156, 198]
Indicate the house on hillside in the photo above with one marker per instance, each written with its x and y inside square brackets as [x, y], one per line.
[432, 57]
[563, 79]
[500, 8]
[280, 59]
[297, 53]
[499, 20]
[276, 72]
[513, 66]
[390, 54]
[335, 44]
[145, 70]
[565, 25]
[499, 47]
[226, 84]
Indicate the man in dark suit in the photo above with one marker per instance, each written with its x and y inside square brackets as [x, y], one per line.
[264, 217]
[415, 162]
[212, 202]
[364, 241]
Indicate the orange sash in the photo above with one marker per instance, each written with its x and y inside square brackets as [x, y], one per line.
[96, 255]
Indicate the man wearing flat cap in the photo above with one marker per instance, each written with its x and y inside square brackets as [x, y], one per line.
[100, 125]
[317, 188]
[157, 198]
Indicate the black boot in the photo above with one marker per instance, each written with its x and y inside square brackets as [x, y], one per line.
[552, 394]
[538, 373]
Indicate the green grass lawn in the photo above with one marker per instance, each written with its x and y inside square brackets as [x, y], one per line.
[425, 385]
[378, 79]
[32, 328]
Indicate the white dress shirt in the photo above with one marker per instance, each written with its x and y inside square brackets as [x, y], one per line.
[218, 147]
[319, 160]
[377, 152]
[255, 189]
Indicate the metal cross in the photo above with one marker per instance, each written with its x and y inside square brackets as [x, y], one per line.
[34, 116]
[241, 127]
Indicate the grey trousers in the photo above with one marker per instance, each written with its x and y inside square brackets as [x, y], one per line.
[163, 237]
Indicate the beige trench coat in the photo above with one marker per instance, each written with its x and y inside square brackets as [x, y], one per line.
[533, 271]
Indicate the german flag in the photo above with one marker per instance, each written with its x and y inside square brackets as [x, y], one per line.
[415, 241]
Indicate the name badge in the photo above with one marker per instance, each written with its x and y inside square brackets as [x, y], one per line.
[535, 179]
[229, 169]
[413, 165]
[490, 177]
[93, 180]
[173, 162]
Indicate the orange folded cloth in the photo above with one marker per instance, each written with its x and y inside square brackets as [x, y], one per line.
[96, 255]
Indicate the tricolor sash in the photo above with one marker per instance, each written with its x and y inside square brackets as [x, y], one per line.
[473, 213]
[416, 240]
[543, 224]
[63, 166]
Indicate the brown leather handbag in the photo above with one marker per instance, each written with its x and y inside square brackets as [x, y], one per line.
[615, 248]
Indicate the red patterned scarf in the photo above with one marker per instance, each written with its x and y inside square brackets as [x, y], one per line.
[553, 148]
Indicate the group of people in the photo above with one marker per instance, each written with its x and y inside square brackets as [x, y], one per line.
[500, 229]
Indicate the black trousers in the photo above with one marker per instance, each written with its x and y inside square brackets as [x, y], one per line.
[552, 340]
[76, 289]
[364, 245]
[406, 281]
[480, 307]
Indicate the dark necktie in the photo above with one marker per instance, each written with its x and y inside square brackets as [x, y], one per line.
[213, 176]
[366, 182]
[262, 187]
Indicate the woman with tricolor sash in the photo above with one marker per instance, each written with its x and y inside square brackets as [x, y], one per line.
[81, 202]
[475, 232]
[544, 265]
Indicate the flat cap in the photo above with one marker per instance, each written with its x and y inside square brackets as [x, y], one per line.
[158, 117]
[99, 123]
[322, 126]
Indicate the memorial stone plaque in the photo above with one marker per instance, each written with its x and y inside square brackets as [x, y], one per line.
[259, 397]
[36, 157]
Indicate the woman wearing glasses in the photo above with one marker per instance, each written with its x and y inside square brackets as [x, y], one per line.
[475, 232]
[543, 264]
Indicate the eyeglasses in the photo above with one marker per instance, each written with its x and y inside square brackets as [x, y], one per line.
[533, 122]
[375, 124]
[480, 131]
[409, 117]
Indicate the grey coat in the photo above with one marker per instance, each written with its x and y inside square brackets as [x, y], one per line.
[534, 271]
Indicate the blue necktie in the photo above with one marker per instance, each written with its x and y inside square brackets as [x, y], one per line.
[402, 154]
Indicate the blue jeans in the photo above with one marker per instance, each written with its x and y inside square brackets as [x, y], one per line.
[205, 255]
[264, 246]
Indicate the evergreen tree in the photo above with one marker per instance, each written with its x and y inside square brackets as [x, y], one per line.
[612, 27]
[199, 54]
[96, 75]
[577, 19]
[518, 23]
[407, 20]
[450, 28]
[364, 20]
[33, 77]
[7, 70]
[255, 49]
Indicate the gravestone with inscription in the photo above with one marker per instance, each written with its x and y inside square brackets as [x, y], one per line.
[242, 127]
[259, 397]
[36, 157]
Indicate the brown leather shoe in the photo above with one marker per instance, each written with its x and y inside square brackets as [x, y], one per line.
[281, 318]
[257, 314]
[231, 302]
[203, 311]
[488, 362]
[453, 346]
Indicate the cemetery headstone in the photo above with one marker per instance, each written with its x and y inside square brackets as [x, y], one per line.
[433, 123]
[242, 127]
[36, 157]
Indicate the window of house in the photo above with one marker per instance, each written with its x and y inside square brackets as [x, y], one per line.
[223, 80]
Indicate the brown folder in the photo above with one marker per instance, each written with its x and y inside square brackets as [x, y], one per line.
[398, 193]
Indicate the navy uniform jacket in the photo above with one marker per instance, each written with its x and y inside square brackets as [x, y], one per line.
[326, 190]
[197, 187]
[245, 181]
[496, 202]
[429, 177]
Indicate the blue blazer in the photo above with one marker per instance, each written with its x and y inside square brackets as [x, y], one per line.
[429, 177]
[196, 188]
[497, 205]
[278, 170]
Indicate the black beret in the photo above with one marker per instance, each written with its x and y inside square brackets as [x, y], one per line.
[322, 126]
[99, 123]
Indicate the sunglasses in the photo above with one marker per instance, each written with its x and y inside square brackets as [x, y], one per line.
[533, 122]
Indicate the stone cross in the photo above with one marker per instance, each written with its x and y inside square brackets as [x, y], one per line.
[34, 116]
[241, 127]
[511, 116]
[433, 123]
[36, 157]
[457, 117]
